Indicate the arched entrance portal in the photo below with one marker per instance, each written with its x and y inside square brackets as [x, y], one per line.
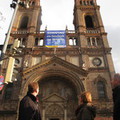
[58, 98]
[60, 84]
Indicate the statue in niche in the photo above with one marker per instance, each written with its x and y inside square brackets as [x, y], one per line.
[62, 92]
[58, 87]
[68, 94]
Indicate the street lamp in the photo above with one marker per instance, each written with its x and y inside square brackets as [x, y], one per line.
[15, 4]
[9, 29]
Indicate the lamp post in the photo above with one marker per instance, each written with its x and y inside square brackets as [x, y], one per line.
[9, 30]
[15, 4]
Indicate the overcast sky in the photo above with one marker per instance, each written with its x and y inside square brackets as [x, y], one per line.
[57, 14]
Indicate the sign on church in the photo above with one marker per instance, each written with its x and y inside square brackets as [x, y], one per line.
[55, 38]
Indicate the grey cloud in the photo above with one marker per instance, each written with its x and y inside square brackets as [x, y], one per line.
[114, 41]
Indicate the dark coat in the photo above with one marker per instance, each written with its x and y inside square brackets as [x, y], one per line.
[85, 112]
[116, 101]
[29, 109]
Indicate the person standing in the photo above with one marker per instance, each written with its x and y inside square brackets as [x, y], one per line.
[29, 108]
[86, 110]
[116, 96]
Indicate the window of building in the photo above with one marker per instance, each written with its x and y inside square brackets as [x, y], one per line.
[91, 2]
[24, 22]
[39, 42]
[81, 2]
[22, 41]
[36, 42]
[88, 42]
[101, 89]
[93, 41]
[84, 2]
[33, 3]
[89, 22]
[98, 41]
[87, 2]
[73, 41]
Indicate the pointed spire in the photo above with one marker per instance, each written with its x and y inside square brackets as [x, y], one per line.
[66, 28]
[46, 28]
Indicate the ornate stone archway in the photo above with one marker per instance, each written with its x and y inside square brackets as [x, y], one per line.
[54, 111]
[60, 84]
[57, 91]
[74, 78]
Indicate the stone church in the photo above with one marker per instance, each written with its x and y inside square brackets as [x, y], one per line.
[63, 73]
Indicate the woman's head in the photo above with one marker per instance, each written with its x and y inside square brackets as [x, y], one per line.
[86, 97]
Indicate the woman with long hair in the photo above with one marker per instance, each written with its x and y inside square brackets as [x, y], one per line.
[86, 110]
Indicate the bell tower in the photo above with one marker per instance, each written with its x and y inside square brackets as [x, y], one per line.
[28, 16]
[27, 23]
[95, 51]
[28, 19]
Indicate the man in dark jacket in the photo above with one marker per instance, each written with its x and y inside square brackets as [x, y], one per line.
[116, 96]
[29, 108]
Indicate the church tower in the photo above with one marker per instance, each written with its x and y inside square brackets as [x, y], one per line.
[63, 73]
[95, 52]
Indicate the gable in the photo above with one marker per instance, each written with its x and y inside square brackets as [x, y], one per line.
[59, 64]
[54, 97]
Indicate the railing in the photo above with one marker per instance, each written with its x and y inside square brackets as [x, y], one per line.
[43, 31]
[92, 31]
[20, 32]
[39, 32]
[71, 31]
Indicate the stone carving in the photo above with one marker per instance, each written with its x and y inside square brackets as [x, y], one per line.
[59, 87]
[55, 110]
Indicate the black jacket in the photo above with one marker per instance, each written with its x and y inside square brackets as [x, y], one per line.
[85, 111]
[116, 101]
[29, 109]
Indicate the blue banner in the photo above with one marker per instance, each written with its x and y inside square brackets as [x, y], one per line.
[55, 38]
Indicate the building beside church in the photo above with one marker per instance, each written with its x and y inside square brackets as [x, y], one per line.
[63, 73]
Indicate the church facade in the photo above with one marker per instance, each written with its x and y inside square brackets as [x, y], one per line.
[63, 73]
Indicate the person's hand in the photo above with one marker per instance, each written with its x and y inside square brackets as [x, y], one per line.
[116, 80]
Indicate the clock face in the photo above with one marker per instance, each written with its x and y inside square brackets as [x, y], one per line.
[96, 61]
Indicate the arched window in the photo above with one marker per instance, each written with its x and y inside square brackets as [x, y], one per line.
[73, 41]
[91, 2]
[89, 22]
[39, 42]
[33, 3]
[88, 42]
[98, 41]
[36, 42]
[80, 2]
[24, 22]
[93, 42]
[101, 89]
